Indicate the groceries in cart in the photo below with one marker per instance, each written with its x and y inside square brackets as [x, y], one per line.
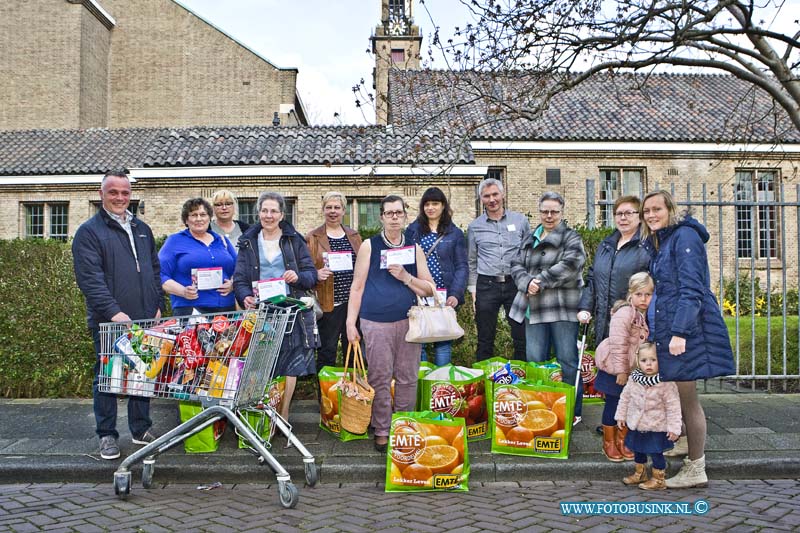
[183, 358]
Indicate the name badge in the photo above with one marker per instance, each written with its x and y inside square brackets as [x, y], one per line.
[512, 227]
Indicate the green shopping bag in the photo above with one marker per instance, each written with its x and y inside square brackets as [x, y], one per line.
[492, 365]
[206, 440]
[424, 368]
[329, 406]
[548, 370]
[427, 452]
[257, 418]
[460, 392]
[532, 419]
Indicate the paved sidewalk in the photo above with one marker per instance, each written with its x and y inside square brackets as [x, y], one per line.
[738, 506]
[750, 436]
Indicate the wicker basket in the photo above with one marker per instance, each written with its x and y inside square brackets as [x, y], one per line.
[356, 411]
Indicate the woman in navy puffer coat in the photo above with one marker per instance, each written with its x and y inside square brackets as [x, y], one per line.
[685, 321]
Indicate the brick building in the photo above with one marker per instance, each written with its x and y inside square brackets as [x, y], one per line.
[120, 63]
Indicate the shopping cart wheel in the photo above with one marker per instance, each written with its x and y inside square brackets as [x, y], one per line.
[312, 474]
[288, 493]
[122, 484]
[147, 474]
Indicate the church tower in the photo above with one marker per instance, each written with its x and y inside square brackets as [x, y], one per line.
[396, 45]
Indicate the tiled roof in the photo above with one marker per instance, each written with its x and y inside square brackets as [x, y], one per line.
[302, 146]
[94, 151]
[624, 107]
[91, 151]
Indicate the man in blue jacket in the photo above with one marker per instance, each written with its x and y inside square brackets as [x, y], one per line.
[116, 266]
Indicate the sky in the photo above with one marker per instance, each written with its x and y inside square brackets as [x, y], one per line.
[326, 40]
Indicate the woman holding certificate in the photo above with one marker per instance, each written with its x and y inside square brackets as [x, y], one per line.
[333, 248]
[388, 277]
[274, 260]
[446, 252]
[197, 264]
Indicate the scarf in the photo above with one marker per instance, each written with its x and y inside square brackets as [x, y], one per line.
[646, 381]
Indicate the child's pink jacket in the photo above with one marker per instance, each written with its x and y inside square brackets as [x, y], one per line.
[656, 408]
[626, 331]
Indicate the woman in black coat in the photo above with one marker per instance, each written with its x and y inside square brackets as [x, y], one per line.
[273, 250]
[617, 258]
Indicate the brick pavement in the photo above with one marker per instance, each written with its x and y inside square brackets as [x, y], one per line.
[735, 506]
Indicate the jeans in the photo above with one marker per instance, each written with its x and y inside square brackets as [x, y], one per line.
[442, 352]
[490, 295]
[659, 463]
[105, 405]
[563, 337]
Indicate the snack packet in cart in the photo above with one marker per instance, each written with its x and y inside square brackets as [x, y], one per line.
[460, 392]
[330, 381]
[427, 452]
[532, 419]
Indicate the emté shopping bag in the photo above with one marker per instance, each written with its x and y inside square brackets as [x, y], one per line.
[427, 452]
[533, 419]
[548, 370]
[206, 440]
[257, 417]
[588, 370]
[330, 378]
[460, 392]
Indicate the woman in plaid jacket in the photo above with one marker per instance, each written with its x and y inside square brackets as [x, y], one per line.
[547, 271]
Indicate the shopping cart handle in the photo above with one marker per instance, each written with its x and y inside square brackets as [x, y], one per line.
[283, 301]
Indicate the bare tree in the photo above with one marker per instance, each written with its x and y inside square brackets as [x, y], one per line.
[573, 40]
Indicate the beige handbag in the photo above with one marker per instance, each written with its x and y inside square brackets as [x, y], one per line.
[432, 323]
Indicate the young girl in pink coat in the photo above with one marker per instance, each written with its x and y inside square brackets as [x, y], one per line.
[651, 410]
[616, 358]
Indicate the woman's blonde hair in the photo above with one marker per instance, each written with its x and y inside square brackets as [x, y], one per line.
[671, 208]
[334, 195]
[639, 281]
[223, 194]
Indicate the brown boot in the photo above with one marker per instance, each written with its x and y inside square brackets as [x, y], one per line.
[609, 447]
[656, 482]
[639, 476]
[619, 440]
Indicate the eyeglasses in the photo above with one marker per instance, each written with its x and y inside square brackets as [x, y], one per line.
[549, 212]
[198, 215]
[224, 204]
[394, 214]
[626, 214]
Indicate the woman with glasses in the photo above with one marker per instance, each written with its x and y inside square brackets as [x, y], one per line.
[446, 252]
[274, 258]
[389, 274]
[617, 258]
[197, 264]
[224, 203]
[547, 272]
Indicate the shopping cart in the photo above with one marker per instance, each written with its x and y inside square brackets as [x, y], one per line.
[224, 361]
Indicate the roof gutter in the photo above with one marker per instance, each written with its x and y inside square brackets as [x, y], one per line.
[55, 179]
[306, 170]
[561, 146]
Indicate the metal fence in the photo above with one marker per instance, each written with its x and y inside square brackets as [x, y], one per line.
[754, 255]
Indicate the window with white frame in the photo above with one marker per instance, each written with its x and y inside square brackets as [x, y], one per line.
[46, 220]
[756, 219]
[616, 182]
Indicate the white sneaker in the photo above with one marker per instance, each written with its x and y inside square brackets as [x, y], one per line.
[691, 474]
[680, 449]
[576, 420]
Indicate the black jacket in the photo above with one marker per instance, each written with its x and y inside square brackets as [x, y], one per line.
[110, 276]
[452, 251]
[295, 253]
[608, 277]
